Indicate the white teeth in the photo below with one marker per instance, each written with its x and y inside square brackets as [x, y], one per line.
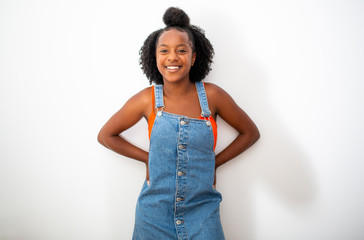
[172, 67]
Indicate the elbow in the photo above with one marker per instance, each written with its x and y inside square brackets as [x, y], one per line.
[100, 139]
[254, 135]
[105, 139]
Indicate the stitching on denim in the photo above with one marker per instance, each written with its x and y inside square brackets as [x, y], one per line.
[203, 99]
[158, 94]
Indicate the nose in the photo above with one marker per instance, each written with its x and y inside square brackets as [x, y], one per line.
[172, 56]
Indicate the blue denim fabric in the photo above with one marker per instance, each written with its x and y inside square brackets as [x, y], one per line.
[179, 202]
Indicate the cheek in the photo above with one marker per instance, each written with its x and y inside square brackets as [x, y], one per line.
[160, 66]
[159, 62]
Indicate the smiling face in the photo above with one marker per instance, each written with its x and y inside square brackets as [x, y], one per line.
[174, 55]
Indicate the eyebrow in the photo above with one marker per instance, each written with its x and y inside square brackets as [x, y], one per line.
[180, 45]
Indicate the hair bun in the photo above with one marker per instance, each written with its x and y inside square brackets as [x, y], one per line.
[176, 17]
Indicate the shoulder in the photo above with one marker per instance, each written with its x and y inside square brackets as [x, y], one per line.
[214, 92]
[218, 98]
[141, 101]
[144, 96]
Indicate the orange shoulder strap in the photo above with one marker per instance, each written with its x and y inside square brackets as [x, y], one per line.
[152, 115]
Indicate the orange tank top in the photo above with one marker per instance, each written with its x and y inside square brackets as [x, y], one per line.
[152, 118]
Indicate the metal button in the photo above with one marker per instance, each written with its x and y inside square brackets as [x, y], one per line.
[159, 113]
[178, 222]
[180, 173]
[208, 123]
[181, 146]
[179, 199]
[183, 122]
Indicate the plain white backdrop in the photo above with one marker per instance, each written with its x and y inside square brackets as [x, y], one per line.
[296, 67]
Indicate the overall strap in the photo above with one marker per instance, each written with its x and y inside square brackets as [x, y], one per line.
[158, 94]
[203, 99]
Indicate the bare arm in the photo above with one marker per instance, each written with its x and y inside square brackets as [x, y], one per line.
[134, 109]
[224, 106]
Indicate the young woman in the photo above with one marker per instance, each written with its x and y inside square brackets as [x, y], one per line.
[178, 199]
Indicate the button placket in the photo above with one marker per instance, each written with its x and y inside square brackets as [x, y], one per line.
[181, 181]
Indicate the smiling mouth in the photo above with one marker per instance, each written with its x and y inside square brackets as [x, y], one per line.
[173, 68]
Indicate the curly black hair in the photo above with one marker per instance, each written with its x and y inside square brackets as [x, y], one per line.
[177, 19]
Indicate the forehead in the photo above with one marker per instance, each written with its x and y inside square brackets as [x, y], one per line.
[173, 37]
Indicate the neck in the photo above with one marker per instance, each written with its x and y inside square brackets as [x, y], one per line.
[178, 88]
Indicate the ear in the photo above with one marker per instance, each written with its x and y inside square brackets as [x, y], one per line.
[193, 58]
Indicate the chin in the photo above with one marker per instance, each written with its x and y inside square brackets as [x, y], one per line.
[174, 79]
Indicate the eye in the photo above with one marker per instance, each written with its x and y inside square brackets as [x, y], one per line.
[163, 51]
[182, 51]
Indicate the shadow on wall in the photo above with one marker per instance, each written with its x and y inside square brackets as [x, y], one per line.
[276, 162]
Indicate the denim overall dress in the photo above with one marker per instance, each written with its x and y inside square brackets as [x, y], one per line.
[180, 201]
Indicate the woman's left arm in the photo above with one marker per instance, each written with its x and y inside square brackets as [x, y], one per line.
[224, 106]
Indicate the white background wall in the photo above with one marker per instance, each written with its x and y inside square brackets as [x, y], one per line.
[296, 67]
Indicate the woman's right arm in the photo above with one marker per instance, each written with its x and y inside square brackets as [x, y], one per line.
[134, 109]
